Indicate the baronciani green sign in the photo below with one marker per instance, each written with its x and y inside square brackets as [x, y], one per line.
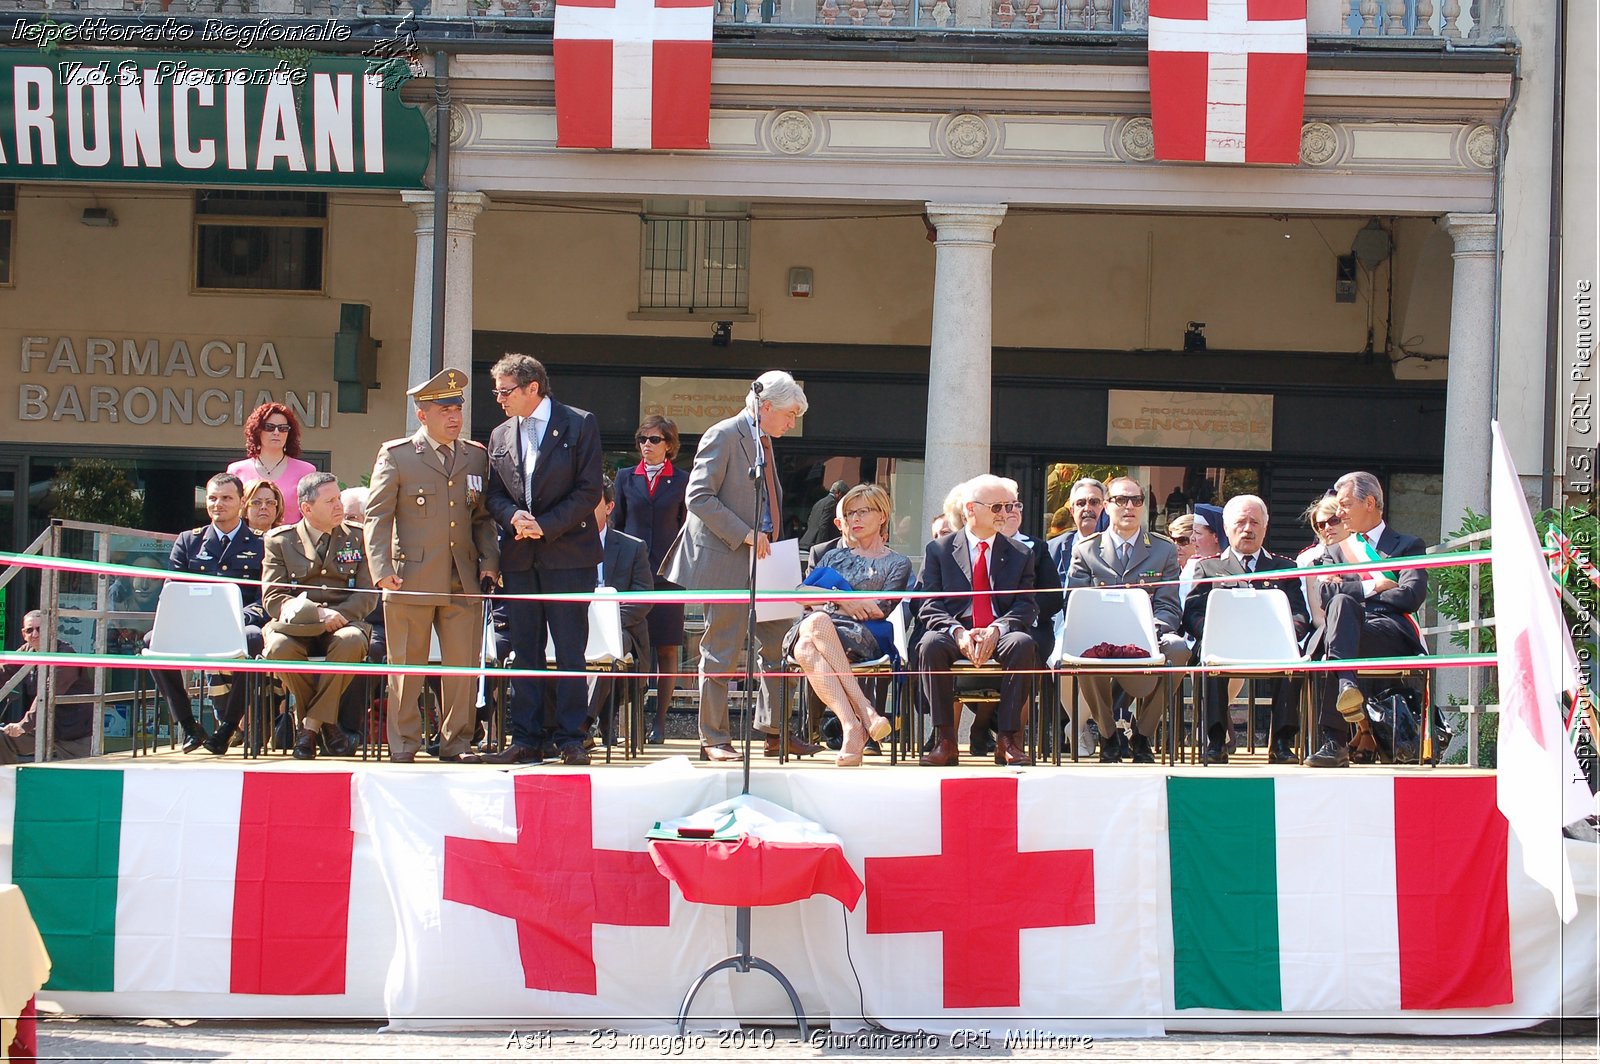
[201, 119]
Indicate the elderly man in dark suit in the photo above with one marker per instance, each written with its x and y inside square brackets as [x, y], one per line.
[1368, 614]
[1245, 518]
[978, 628]
[544, 484]
[712, 552]
[626, 568]
[1125, 555]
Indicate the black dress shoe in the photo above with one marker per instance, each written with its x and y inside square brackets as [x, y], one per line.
[1330, 754]
[1140, 746]
[655, 735]
[336, 741]
[1215, 753]
[305, 744]
[548, 751]
[514, 755]
[1282, 752]
[1110, 751]
[195, 739]
[217, 743]
[574, 754]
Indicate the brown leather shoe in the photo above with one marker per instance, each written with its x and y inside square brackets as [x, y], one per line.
[574, 754]
[945, 752]
[721, 752]
[305, 744]
[465, 757]
[1008, 751]
[514, 755]
[403, 759]
[794, 746]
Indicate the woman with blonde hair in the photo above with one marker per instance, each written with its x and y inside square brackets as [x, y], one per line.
[263, 506]
[833, 634]
[1323, 517]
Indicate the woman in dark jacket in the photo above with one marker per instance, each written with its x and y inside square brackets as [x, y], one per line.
[651, 506]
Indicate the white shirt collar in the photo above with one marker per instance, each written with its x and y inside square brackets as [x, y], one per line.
[1243, 557]
[973, 541]
[1119, 541]
[542, 411]
[1375, 533]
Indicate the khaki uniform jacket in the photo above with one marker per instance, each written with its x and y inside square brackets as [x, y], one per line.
[338, 578]
[429, 529]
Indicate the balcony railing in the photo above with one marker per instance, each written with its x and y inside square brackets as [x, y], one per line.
[1461, 20]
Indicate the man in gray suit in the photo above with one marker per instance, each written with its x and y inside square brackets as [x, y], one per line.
[1121, 556]
[712, 553]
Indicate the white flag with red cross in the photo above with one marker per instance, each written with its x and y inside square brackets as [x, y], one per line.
[1227, 79]
[633, 73]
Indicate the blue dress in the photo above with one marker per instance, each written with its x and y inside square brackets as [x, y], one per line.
[655, 517]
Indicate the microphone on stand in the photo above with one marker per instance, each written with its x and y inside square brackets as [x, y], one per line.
[756, 389]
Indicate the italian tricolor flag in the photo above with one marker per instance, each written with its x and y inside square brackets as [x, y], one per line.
[1338, 894]
[189, 879]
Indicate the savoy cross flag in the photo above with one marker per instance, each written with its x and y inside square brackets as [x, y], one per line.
[633, 73]
[1227, 79]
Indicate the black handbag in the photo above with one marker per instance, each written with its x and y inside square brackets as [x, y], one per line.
[1394, 712]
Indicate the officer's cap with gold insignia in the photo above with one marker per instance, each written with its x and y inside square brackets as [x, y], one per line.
[446, 387]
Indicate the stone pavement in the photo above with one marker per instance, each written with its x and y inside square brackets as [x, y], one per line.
[67, 1038]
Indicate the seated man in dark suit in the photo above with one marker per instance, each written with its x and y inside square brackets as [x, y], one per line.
[978, 628]
[1368, 614]
[626, 568]
[1125, 555]
[225, 547]
[1245, 519]
[74, 723]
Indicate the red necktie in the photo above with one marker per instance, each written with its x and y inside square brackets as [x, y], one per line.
[982, 608]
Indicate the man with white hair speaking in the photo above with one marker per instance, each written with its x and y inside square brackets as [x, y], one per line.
[1245, 519]
[712, 552]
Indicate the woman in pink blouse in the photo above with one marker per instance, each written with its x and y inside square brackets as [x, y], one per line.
[272, 447]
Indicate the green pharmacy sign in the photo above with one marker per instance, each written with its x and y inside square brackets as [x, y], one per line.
[200, 119]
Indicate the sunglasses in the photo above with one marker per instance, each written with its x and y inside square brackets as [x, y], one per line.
[26, 629]
[1002, 507]
[275, 427]
[649, 439]
[1332, 522]
[1182, 541]
[1127, 500]
[501, 393]
[1078, 504]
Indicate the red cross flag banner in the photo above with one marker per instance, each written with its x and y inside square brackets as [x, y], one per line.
[1012, 898]
[530, 896]
[633, 73]
[1541, 788]
[1227, 79]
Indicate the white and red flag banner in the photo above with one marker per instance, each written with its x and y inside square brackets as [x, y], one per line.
[1227, 79]
[1541, 787]
[633, 73]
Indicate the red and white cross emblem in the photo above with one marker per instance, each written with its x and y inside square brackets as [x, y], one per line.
[633, 73]
[1227, 79]
[987, 893]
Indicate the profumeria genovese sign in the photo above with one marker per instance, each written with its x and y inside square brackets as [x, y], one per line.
[193, 118]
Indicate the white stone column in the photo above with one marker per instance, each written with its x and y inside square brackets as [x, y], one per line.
[464, 210]
[959, 356]
[1470, 382]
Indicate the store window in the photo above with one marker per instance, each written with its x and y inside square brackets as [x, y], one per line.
[696, 260]
[260, 241]
[8, 230]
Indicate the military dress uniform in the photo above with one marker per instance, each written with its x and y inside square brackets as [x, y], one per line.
[427, 524]
[330, 569]
[239, 554]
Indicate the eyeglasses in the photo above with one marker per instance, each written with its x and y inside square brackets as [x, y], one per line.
[264, 501]
[1332, 522]
[1078, 504]
[276, 426]
[650, 439]
[501, 393]
[1182, 541]
[1127, 500]
[1001, 507]
[856, 515]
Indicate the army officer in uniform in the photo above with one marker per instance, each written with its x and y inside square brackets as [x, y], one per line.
[325, 560]
[225, 547]
[430, 536]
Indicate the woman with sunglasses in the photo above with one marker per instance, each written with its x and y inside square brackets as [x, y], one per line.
[272, 452]
[263, 506]
[1323, 517]
[651, 506]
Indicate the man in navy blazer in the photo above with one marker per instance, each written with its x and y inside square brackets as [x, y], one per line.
[544, 483]
[1087, 500]
[976, 628]
[1368, 614]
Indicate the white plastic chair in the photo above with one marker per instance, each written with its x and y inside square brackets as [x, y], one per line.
[1096, 615]
[1249, 627]
[198, 620]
